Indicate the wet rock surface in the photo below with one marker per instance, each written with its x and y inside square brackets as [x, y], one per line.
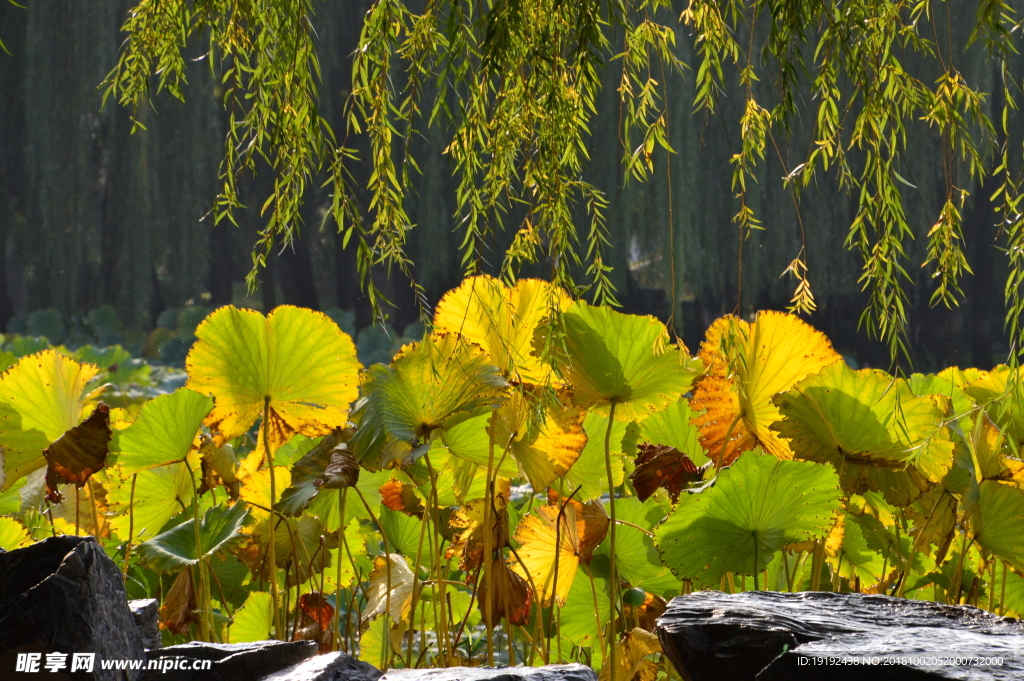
[329, 667]
[228, 661]
[65, 595]
[769, 636]
[146, 613]
[553, 672]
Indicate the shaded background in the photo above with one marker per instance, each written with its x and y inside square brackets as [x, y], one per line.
[105, 234]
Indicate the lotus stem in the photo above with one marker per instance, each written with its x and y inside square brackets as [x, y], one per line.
[131, 526]
[488, 607]
[337, 584]
[612, 577]
[275, 614]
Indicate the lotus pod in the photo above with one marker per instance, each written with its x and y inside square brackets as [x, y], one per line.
[342, 470]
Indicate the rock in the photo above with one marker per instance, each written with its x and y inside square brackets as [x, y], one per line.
[709, 635]
[551, 672]
[329, 667]
[146, 612]
[65, 595]
[228, 661]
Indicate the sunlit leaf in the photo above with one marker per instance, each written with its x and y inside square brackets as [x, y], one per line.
[673, 427]
[307, 474]
[254, 621]
[390, 588]
[13, 534]
[633, 662]
[996, 522]
[164, 432]
[549, 551]
[502, 321]
[160, 494]
[592, 523]
[41, 397]
[746, 365]
[867, 424]
[431, 385]
[589, 472]
[296, 361]
[758, 505]
[610, 357]
[375, 643]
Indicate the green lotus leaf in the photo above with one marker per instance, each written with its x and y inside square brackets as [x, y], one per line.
[254, 620]
[869, 426]
[41, 397]
[858, 560]
[585, 613]
[1001, 393]
[672, 427]
[160, 494]
[469, 441]
[375, 643]
[432, 385]
[997, 520]
[164, 432]
[636, 559]
[325, 505]
[175, 548]
[625, 360]
[758, 505]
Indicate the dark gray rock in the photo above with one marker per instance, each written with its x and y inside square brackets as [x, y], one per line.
[709, 635]
[228, 661]
[146, 612]
[329, 667]
[65, 595]
[551, 672]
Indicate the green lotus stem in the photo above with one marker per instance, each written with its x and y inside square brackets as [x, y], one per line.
[337, 583]
[275, 615]
[755, 563]
[131, 526]
[204, 591]
[1002, 594]
[612, 577]
[440, 611]
[416, 593]
[95, 515]
[387, 565]
[488, 606]
[817, 558]
[601, 640]
[77, 524]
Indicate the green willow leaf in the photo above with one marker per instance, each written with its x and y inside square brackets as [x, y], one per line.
[757, 505]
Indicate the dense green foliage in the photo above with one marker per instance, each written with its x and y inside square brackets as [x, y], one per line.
[529, 481]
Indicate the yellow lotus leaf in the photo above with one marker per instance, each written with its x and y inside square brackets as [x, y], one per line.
[746, 364]
[592, 523]
[549, 551]
[295, 361]
[502, 321]
[256, 489]
[633, 662]
[390, 588]
[545, 442]
[41, 397]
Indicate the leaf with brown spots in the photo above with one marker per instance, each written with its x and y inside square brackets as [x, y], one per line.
[468, 524]
[591, 524]
[179, 604]
[78, 453]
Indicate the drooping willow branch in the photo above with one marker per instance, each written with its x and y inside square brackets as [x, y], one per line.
[514, 85]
